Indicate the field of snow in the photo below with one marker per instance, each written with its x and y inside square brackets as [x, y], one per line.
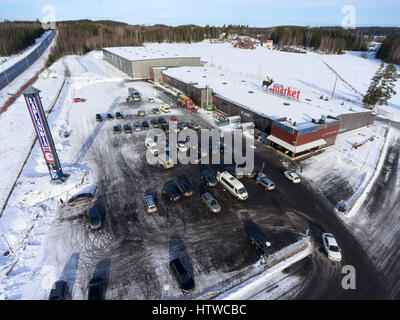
[28, 217]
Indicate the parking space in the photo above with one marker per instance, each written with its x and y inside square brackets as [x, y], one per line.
[133, 248]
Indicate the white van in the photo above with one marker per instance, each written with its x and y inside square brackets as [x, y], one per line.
[232, 184]
[165, 161]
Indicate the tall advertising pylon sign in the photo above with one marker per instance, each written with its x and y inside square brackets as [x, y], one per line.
[45, 138]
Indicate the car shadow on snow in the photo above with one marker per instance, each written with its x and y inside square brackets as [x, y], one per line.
[69, 272]
[102, 270]
[177, 249]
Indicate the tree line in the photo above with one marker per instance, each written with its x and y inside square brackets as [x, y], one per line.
[390, 49]
[16, 36]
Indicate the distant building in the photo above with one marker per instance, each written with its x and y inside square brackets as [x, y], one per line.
[144, 63]
[268, 43]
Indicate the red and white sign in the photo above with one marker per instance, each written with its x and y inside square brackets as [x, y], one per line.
[289, 92]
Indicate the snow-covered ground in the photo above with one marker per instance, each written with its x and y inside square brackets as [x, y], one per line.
[6, 62]
[28, 217]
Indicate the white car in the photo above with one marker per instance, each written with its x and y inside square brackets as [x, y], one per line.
[174, 128]
[181, 146]
[292, 176]
[331, 247]
[165, 108]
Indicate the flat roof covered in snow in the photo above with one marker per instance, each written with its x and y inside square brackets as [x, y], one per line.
[249, 94]
[139, 53]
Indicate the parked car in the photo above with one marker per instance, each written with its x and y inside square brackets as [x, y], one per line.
[110, 116]
[59, 290]
[170, 190]
[331, 247]
[145, 125]
[154, 123]
[119, 115]
[137, 125]
[211, 202]
[174, 128]
[265, 182]
[165, 128]
[162, 121]
[95, 289]
[291, 176]
[193, 125]
[165, 108]
[181, 145]
[95, 217]
[79, 199]
[99, 118]
[182, 125]
[141, 113]
[184, 278]
[117, 129]
[79, 100]
[156, 111]
[184, 187]
[174, 119]
[150, 204]
[127, 128]
[258, 240]
[208, 178]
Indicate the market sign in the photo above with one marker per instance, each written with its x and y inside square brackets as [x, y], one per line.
[283, 91]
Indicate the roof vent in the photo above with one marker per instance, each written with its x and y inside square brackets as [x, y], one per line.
[222, 74]
[204, 76]
[224, 83]
[187, 70]
[251, 91]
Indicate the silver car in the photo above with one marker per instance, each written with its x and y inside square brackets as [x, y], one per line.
[211, 202]
[265, 182]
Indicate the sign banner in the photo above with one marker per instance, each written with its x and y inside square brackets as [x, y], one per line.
[289, 92]
[43, 132]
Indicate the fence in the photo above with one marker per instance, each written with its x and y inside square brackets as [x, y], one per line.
[16, 69]
[286, 252]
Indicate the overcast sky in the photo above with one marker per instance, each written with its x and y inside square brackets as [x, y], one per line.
[260, 13]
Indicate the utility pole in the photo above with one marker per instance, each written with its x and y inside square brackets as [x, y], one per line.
[334, 87]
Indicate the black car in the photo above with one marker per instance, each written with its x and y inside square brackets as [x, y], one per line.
[145, 125]
[110, 116]
[96, 289]
[117, 129]
[182, 125]
[162, 121]
[119, 115]
[258, 240]
[99, 118]
[154, 123]
[79, 199]
[165, 128]
[127, 128]
[59, 291]
[208, 178]
[193, 125]
[170, 190]
[184, 278]
[141, 113]
[137, 125]
[95, 217]
[184, 187]
[156, 111]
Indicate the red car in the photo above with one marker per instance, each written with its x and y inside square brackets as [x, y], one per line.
[174, 120]
[79, 100]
